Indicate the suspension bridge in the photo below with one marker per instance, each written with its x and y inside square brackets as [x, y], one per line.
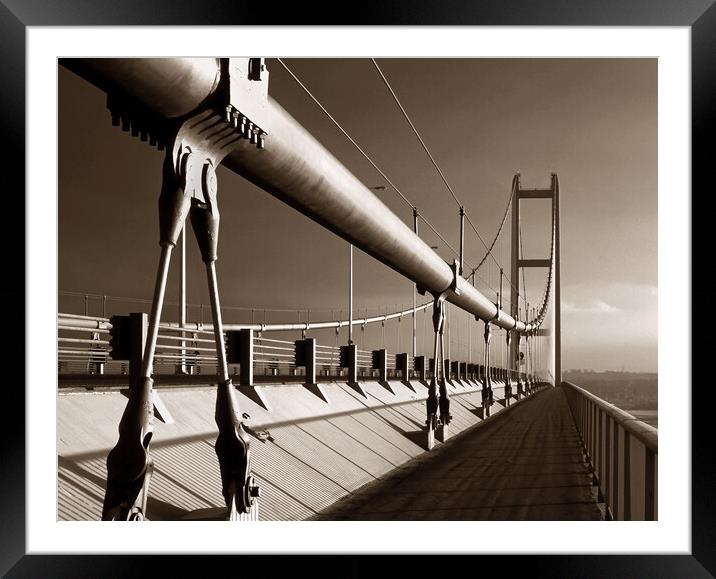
[452, 407]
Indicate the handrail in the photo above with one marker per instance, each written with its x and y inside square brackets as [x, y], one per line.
[623, 454]
[91, 322]
[643, 432]
[69, 321]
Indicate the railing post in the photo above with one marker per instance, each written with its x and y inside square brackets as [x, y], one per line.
[97, 355]
[127, 340]
[420, 368]
[627, 476]
[587, 432]
[593, 449]
[455, 369]
[306, 357]
[138, 327]
[599, 452]
[595, 442]
[349, 359]
[615, 474]
[240, 350]
[380, 363]
[607, 465]
[649, 479]
[402, 364]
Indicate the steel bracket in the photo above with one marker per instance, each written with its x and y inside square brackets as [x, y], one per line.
[240, 101]
[247, 105]
[456, 268]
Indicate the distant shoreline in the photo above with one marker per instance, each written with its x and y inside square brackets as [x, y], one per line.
[633, 392]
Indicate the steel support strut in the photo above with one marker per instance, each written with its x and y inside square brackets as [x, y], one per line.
[487, 398]
[129, 464]
[508, 371]
[437, 383]
[444, 402]
[528, 376]
[232, 444]
[188, 189]
[518, 361]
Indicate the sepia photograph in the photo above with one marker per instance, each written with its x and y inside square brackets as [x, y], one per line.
[305, 284]
[334, 286]
[357, 289]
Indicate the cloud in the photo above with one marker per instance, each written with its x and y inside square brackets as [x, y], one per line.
[591, 307]
[603, 297]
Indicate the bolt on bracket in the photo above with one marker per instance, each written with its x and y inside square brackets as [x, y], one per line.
[240, 101]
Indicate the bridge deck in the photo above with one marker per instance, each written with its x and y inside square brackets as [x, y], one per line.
[525, 465]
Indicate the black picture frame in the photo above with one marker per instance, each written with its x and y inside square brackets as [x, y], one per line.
[17, 15]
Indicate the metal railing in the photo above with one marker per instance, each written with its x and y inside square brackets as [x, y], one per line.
[328, 359]
[274, 356]
[82, 345]
[84, 348]
[623, 452]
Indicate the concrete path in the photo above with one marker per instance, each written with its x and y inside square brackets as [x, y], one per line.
[524, 464]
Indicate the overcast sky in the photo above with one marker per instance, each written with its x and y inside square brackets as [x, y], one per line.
[593, 122]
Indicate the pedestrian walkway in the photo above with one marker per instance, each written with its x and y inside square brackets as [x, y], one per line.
[525, 465]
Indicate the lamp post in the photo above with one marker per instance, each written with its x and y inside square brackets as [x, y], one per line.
[350, 296]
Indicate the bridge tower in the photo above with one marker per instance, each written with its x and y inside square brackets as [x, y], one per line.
[517, 264]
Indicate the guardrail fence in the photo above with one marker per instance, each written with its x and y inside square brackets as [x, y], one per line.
[623, 452]
[91, 345]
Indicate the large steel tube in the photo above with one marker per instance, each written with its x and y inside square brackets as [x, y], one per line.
[297, 169]
[170, 86]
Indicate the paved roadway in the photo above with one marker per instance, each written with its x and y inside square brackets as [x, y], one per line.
[524, 464]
